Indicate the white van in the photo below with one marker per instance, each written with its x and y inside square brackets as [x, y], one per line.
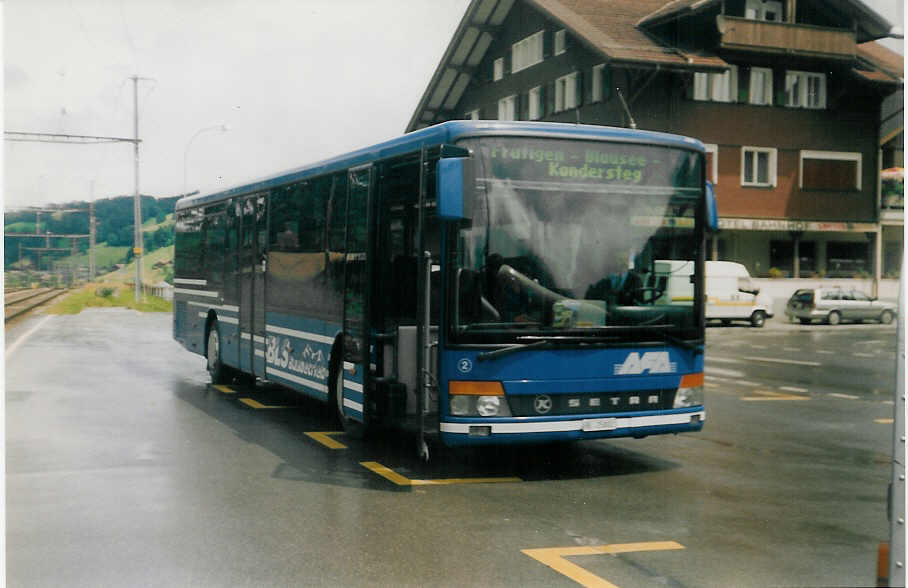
[730, 293]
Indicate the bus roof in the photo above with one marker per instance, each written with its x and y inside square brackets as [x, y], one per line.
[446, 132]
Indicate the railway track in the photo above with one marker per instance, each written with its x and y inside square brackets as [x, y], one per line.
[17, 303]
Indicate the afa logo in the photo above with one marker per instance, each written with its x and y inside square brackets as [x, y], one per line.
[654, 362]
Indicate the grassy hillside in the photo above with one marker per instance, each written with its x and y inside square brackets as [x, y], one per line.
[21, 227]
[152, 267]
[105, 256]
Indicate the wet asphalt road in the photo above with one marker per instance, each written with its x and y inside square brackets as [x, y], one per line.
[124, 468]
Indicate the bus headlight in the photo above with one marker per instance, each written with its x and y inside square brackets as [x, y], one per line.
[690, 392]
[485, 399]
[460, 405]
[488, 406]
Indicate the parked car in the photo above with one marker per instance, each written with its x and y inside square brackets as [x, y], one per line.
[833, 305]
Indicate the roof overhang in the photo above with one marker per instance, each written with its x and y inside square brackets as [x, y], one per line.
[481, 22]
[468, 46]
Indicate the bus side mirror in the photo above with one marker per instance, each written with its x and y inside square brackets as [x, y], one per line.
[453, 183]
[712, 210]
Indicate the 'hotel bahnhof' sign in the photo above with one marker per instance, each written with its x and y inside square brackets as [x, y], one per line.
[766, 224]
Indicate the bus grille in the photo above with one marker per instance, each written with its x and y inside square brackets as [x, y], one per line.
[591, 403]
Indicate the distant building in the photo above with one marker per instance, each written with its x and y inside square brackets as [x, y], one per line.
[786, 95]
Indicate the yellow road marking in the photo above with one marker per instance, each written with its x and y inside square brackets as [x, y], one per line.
[400, 480]
[386, 473]
[224, 389]
[258, 405]
[884, 421]
[325, 439]
[451, 481]
[554, 558]
[770, 395]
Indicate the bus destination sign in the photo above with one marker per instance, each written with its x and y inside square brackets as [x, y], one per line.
[576, 161]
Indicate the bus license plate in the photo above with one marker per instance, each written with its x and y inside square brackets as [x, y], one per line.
[590, 425]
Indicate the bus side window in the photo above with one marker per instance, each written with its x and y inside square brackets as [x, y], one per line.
[333, 294]
[337, 214]
[215, 236]
[313, 208]
[284, 226]
[396, 262]
[231, 246]
[190, 237]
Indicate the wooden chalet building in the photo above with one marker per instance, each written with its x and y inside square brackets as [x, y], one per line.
[786, 95]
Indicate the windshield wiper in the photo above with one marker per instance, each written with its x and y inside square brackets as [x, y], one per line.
[694, 345]
[489, 355]
[537, 341]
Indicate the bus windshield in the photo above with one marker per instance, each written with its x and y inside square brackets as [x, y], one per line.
[564, 240]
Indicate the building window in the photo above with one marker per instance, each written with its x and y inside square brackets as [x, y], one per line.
[600, 77]
[846, 259]
[566, 92]
[830, 170]
[507, 108]
[472, 115]
[770, 10]
[498, 69]
[712, 162]
[805, 89]
[717, 87]
[535, 103]
[760, 86]
[781, 256]
[560, 42]
[758, 166]
[526, 52]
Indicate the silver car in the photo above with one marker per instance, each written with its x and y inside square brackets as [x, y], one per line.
[833, 305]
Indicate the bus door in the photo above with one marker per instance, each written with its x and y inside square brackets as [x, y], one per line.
[357, 346]
[251, 283]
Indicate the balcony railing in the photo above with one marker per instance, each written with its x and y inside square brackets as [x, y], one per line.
[779, 37]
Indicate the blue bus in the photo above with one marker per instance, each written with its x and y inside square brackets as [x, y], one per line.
[477, 282]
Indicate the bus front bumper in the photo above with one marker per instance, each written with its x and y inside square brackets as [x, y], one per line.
[543, 430]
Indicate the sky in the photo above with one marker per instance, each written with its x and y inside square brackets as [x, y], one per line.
[293, 82]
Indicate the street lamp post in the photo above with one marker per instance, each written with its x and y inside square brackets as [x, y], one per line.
[220, 127]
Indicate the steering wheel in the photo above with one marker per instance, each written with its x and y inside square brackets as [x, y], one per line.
[639, 295]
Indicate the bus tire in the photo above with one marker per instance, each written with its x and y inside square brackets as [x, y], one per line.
[758, 318]
[351, 427]
[220, 373]
[885, 317]
[834, 318]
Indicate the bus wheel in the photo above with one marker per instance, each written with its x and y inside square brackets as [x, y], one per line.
[351, 427]
[834, 318]
[757, 318]
[220, 373]
[885, 317]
